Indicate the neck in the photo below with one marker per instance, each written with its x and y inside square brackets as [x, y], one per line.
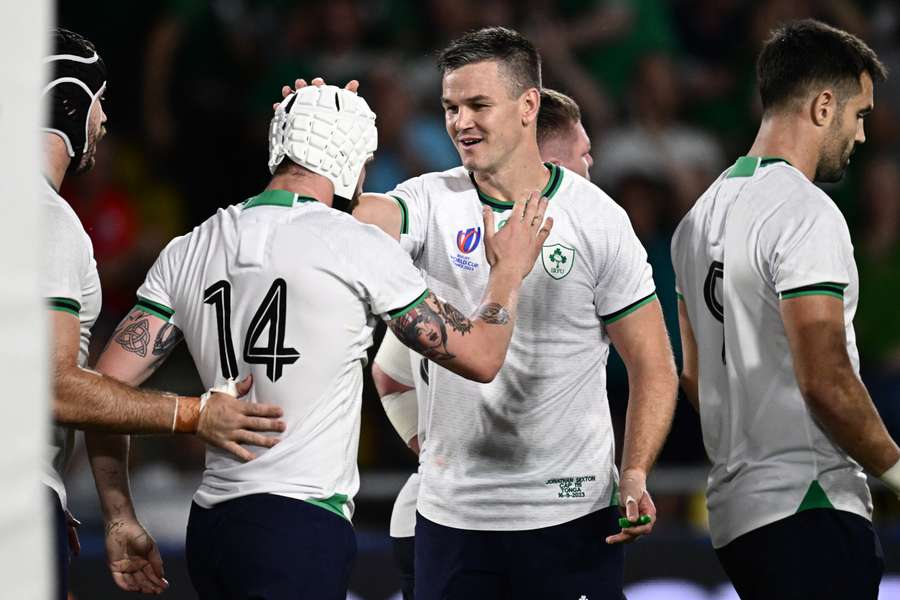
[518, 177]
[785, 137]
[304, 184]
[56, 159]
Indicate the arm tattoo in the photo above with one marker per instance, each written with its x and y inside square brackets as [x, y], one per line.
[134, 337]
[425, 330]
[453, 317]
[168, 337]
[493, 313]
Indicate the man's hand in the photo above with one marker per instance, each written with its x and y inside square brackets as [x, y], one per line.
[518, 243]
[227, 422]
[352, 85]
[133, 558]
[634, 502]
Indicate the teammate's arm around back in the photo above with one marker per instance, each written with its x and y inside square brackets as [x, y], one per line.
[475, 347]
[643, 344]
[814, 325]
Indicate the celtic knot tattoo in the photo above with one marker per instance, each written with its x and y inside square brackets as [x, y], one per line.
[135, 338]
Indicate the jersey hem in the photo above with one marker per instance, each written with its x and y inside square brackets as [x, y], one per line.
[68, 305]
[624, 312]
[154, 308]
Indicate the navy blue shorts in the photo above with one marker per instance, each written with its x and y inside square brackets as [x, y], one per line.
[819, 553]
[570, 560]
[267, 547]
[60, 546]
[405, 559]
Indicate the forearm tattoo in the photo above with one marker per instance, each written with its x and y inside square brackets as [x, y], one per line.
[425, 330]
[454, 317]
[168, 337]
[493, 313]
[133, 333]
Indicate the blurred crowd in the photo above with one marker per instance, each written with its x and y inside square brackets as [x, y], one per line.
[666, 90]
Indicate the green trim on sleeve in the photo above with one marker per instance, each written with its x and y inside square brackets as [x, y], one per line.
[154, 308]
[624, 312]
[65, 305]
[404, 215]
[817, 289]
[333, 504]
[399, 312]
[679, 296]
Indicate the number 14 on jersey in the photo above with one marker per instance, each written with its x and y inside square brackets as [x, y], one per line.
[270, 318]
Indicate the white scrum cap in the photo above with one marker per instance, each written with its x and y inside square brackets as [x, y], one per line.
[326, 129]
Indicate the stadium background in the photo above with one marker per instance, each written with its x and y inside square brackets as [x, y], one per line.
[668, 98]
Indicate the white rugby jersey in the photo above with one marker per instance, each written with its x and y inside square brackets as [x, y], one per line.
[534, 447]
[410, 369]
[70, 284]
[285, 288]
[760, 233]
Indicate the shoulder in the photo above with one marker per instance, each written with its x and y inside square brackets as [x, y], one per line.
[590, 204]
[455, 179]
[797, 198]
[62, 223]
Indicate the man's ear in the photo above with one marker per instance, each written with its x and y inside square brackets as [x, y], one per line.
[824, 108]
[530, 105]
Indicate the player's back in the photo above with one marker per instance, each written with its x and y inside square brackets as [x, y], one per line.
[285, 289]
[749, 242]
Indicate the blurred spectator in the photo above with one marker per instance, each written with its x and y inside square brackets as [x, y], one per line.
[655, 143]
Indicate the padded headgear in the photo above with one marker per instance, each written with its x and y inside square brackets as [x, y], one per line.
[78, 80]
[326, 129]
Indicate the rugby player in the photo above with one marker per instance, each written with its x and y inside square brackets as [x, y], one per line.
[400, 376]
[768, 289]
[519, 493]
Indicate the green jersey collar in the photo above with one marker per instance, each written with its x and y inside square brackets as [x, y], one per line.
[746, 166]
[277, 198]
[556, 175]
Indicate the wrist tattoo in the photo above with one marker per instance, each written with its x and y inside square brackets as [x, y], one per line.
[493, 313]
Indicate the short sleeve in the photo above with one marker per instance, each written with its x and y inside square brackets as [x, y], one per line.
[385, 275]
[155, 296]
[625, 282]
[411, 198]
[807, 246]
[393, 359]
[67, 259]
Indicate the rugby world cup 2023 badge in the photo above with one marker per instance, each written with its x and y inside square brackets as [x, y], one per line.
[467, 241]
[557, 260]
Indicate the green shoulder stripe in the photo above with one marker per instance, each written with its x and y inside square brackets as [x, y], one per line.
[154, 308]
[399, 312]
[65, 305]
[624, 312]
[817, 289]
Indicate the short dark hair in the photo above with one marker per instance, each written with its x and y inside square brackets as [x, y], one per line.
[802, 54]
[558, 113]
[519, 56]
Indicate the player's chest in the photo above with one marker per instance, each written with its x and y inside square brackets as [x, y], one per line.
[455, 250]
